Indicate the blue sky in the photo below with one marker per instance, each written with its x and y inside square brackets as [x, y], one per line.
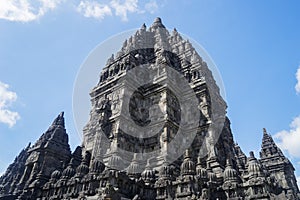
[255, 45]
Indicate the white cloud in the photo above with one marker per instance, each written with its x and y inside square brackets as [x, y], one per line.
[121, 9]
[151, 6]
[31, 10]
[48, 5]
[91, 8]
[16, 11]
[289, 140]
[298, 181]
[297, 87]
[6, 99]
[94, 9]
[26, 10]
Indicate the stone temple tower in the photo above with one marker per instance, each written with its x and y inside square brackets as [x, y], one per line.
[153, 54]
[47, 154]
[157, 130]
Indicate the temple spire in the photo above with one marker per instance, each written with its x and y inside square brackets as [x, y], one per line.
[269, 147]
[57, 124]
[279, 165]
[59, 120]
[265, 132]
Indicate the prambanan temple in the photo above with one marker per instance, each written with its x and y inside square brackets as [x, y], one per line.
[111, 163]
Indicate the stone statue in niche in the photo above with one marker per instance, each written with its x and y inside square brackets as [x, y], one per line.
[139, 108]
[116, 102]
[205, 194]
[204, 107]
[175, 109]
[104, 111]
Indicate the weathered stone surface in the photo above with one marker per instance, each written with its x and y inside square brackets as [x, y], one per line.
[212, 167]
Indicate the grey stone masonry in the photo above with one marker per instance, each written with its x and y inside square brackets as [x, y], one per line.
[157, 130]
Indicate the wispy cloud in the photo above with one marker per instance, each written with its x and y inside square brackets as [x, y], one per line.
[26, 10]
[297, 87]
[47, 5]
[122, 8]
[7, 97]
[31, 10]
[289, 140]
[151, 6]
[119, 8]
[298, 181]
[94, 9]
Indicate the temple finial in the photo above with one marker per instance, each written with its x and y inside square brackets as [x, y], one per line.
[143, 27]
[228, 163]
[187, 154]
[265, 131]
[157, 20]
[157, 23]
[61, 114]
[28, 146]
[59, 120]
[111, 59]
